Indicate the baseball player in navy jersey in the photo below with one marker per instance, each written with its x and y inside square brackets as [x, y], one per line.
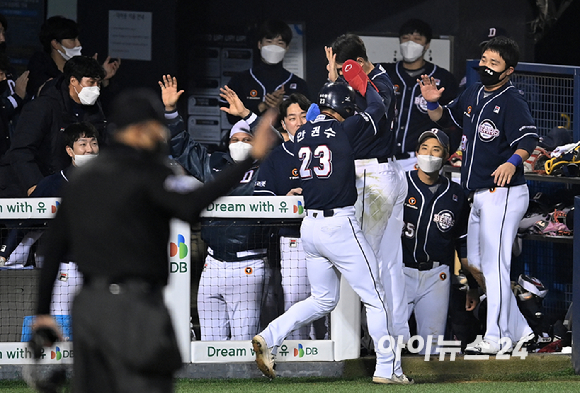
[331, 236]
[498, 135]
[381, 184]
[436, 213]
[279, 176]
[267, 83]
[412, 118]
[232, 281]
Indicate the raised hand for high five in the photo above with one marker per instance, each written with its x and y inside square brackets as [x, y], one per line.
[237, 107]
[169, 93]
[429, 89]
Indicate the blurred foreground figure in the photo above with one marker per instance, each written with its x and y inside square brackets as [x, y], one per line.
[114, 220]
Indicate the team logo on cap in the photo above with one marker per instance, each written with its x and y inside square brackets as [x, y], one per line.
[348, 68]
[487, 131]
[444, 220]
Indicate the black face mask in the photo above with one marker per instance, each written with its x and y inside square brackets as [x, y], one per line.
[3, 86]
[489, 77]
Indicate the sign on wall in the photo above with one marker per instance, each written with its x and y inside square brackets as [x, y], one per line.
[130, 35]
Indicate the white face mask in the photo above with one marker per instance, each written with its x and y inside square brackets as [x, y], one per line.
[240, 151]
[272, 54]
[429, 164]
[411, 51]
[68, 53]
[290, 137]
[83, 159]
[89, 94]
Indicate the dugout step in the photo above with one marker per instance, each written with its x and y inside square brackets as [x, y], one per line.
[414, 367]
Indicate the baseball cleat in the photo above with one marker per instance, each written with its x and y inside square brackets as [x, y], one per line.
[482, 348]
[264, 357]
[394, 380]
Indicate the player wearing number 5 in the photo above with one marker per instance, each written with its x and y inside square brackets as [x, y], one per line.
[498, 135]
[331, 236]
[435, 215]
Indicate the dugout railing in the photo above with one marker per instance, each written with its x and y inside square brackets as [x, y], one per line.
[20, 292]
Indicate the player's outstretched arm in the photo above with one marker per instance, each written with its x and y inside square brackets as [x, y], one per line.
[264, 136]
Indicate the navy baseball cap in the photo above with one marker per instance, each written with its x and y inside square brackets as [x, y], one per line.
[435, 133]
[492, 32]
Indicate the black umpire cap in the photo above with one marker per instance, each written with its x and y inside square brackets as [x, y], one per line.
[137, 106]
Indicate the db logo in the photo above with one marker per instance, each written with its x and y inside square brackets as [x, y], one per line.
[412, 201]
[253, 93]
[348, 67]
[248, 270]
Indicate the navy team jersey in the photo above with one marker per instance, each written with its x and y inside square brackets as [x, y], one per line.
[278, 172]
[324, 148]
[383, 144]
[252, 85]
[412, 118]
[435, 223]
[277, 176]
[494, 127]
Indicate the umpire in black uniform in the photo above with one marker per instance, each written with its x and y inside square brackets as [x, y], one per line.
[114, 222]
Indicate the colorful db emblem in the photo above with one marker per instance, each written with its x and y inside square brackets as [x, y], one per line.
[248, 270]
[299, 352]
[299, 208]
[442, 276]
[412, 201]
[253, 93]
[178, 248]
